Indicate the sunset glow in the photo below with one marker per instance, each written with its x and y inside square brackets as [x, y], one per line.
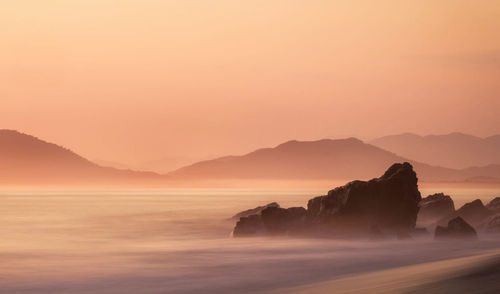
[133, 81]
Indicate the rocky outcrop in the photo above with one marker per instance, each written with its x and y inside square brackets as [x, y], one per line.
[494, 205]
[256, 210]
[249, 226]
[272, 221]
[473, 212]
[280, 221]
[388, 203]
[435, 207]
[457, 228]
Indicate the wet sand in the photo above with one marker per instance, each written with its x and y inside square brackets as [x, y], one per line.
[474, 275]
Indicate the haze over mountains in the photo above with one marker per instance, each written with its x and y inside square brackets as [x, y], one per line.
[324, 159]
[25, 159]
[455, 150]
[162, 165]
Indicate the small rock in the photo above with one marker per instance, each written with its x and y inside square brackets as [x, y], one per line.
[473, 212]
[249, 226]
[457, 228]
[494, 205]
[256, 210]
[435, 207]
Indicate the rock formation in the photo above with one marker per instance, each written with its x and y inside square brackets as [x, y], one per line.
[271, 221]
[435, 207]
[283, 221]
[256, 210]
[389, 203]
[494, 205]
[457, 228]
[473, 212]
[249, 226]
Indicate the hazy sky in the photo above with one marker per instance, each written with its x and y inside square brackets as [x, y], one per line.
[131, 80]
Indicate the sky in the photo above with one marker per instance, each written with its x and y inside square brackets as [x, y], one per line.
[133, 81]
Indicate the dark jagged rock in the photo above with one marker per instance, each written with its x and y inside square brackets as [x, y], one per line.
[457, 228]
[494, 205]
[390, 203]
[280, 221]
[272, 221]
[435, 207]
[473, 212]
[249, 226]
[256, 210]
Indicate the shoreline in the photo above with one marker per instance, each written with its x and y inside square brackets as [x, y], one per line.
[455, 275]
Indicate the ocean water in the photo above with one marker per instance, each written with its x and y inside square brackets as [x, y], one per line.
[178, 241]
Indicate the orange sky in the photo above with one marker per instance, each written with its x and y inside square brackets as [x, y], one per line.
[134, 80]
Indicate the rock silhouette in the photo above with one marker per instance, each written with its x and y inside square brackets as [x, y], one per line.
[457, 228]
[272, 220]
[435, 207]
[389, 203]
[325, 159]
[251, 225]
[283, 221]
[494, 205]
[256, 210]
[27, 160]
[473, 212]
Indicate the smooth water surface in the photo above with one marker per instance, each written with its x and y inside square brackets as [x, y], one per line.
[178, 241]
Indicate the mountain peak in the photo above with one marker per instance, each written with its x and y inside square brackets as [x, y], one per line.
[321, 159]
[26, 159]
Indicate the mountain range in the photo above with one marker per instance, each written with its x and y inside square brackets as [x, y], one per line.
[25, 159]
[309, 160]
[455, 150]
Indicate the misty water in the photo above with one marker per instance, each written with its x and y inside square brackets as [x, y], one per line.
[178, 241]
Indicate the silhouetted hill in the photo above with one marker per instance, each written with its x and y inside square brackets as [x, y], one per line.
[168, 164]
[488, 173]
[455, 150]
[323, 159]
[25, 159]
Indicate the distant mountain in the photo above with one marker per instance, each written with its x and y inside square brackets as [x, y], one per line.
[168, 164]
[455, 150]
[324, 159]
[160, 166]
[488, 173]
[113, 164]
[25, 159]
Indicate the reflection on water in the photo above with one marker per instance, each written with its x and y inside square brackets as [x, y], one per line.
[177, 241]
